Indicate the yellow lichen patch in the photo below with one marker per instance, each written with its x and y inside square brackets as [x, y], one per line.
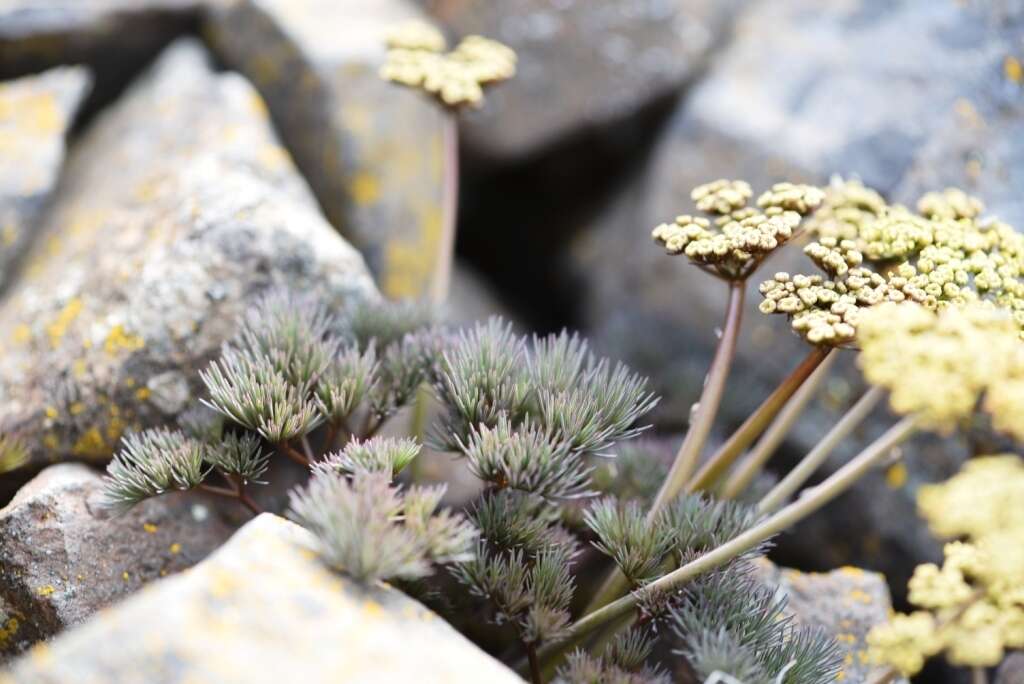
[91, 444]
[896, 475]
[149, 527]
[118, 339]
[125, 576]
[45, 590]
[50, 441]
[51, 412]
[175, 548]
[143, 393]
[364, 188]
[21, 334]
[373, 610]
[1013, 69]
[7, 630]
[59, 327]
[77, 408]
[408, 265]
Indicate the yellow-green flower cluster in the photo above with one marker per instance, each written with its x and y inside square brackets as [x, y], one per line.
[735, 238]
[938, 364]
[416, 58]
[944, 256]
[972, 607]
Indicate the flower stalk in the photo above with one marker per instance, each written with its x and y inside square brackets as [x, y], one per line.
[809, 503]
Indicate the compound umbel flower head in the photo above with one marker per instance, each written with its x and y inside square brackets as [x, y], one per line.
[457, 78]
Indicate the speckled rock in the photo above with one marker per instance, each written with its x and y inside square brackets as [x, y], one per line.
[114, 37]
[371, 150]
[177, 209]
[582, 65]
[35, 115]
[845, 603]
[1012, 670]
[262, 609]
[62, 558]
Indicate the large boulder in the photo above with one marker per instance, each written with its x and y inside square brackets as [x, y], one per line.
[114, 37]
[177, 209]
[371, 150]
[262, 609]
[62, 558]
[802, 92]
[35, 115]
[583, 66]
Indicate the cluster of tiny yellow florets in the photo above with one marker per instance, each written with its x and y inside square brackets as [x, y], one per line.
[972, 607]
[943, 256]
[736, 238]
[416, 58]
[938, 364]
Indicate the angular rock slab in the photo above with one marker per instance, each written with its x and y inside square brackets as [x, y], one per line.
[35, 115]
[62, 558]
[844, 603]
[583, 65]
[262, 609]
[178, 208]
[114, 37]
[371, 150]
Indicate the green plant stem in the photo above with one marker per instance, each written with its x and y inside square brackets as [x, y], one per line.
[442, 275]
[696, 437]
[754, 425]
[749, 468]
[807, 504]
[417, 428]
[821, 451]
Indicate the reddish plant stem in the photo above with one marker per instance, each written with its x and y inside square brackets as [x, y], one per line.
[292, 453]
[441, 280]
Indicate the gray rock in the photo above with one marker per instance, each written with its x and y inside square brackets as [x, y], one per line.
[62, 559]
[371, 150]
[844, 603]
[35, 115]
[472, 298]
[1012, 670]
[582, 65]
[177, 209]
[262, 609]
[114, 37]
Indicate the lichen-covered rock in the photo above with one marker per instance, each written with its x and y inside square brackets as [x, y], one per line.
[114, 38]
[582, 65]
[178, 207]
[35, 115]
[371, 150]
[845, 603]
[262, 609]
[62, 558]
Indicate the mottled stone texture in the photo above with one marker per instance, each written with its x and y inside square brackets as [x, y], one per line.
[114, 37]
[845, 603]
[1012, 670]
[583, 65]
[802, 92]
[371, 150]
[35, 115]
[262, 609]
[178, 207]
[64, 558]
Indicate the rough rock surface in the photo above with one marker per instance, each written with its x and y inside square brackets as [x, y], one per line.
[64, 558]
[803, 92]
[114, 37]
[582, 65]
[1012, 670]
[262, 609]
[177, 209]
[845, 603]
[371, 150]
[35, 115]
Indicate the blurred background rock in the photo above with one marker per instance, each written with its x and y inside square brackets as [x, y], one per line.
[619, 107]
